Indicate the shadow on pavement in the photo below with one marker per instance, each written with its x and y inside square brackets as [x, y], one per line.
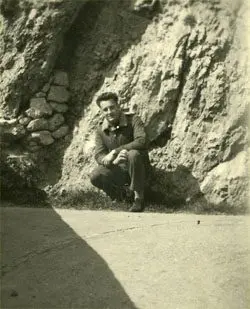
[178, 188]
[45, 264]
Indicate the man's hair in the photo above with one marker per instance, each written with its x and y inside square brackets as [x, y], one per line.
[107, 96]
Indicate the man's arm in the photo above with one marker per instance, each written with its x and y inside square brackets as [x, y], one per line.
[140, 139]
[102, 155]
[100, 149]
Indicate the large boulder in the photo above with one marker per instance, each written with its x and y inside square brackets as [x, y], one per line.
[227, 183]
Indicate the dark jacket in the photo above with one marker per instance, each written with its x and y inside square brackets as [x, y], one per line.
[129, 134]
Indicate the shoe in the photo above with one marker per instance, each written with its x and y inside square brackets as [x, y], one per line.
[137, 206]
[128, 195]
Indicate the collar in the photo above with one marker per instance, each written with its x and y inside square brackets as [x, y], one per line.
[122, 123]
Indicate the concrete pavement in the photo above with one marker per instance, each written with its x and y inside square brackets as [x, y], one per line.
[56, 258]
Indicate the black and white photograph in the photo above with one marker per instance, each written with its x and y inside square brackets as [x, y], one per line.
[124, 158]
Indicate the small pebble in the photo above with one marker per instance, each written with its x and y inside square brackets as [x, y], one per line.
[198, 222]
[13, 293]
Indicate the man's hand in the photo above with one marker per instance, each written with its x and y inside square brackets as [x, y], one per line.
[122, 157]
[109, 158]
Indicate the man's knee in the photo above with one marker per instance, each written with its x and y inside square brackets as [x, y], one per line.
[98, 175]
[95, 178]
[133, 155]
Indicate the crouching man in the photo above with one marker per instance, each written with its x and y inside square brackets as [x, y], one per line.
[121, 153]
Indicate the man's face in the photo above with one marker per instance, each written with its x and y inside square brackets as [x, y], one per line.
[111, 111]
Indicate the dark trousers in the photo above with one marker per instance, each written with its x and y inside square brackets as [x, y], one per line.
[112, 179]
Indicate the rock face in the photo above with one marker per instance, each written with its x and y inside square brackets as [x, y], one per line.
[181, 65]
[31, 34]
[227, 181]
[186, 75]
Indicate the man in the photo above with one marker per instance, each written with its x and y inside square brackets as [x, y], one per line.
[121, 152]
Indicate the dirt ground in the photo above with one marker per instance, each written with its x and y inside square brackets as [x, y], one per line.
[57, 258]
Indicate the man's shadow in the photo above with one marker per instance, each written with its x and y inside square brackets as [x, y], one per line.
[45, 264]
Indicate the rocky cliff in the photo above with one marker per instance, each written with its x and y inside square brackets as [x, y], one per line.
[181, 65]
